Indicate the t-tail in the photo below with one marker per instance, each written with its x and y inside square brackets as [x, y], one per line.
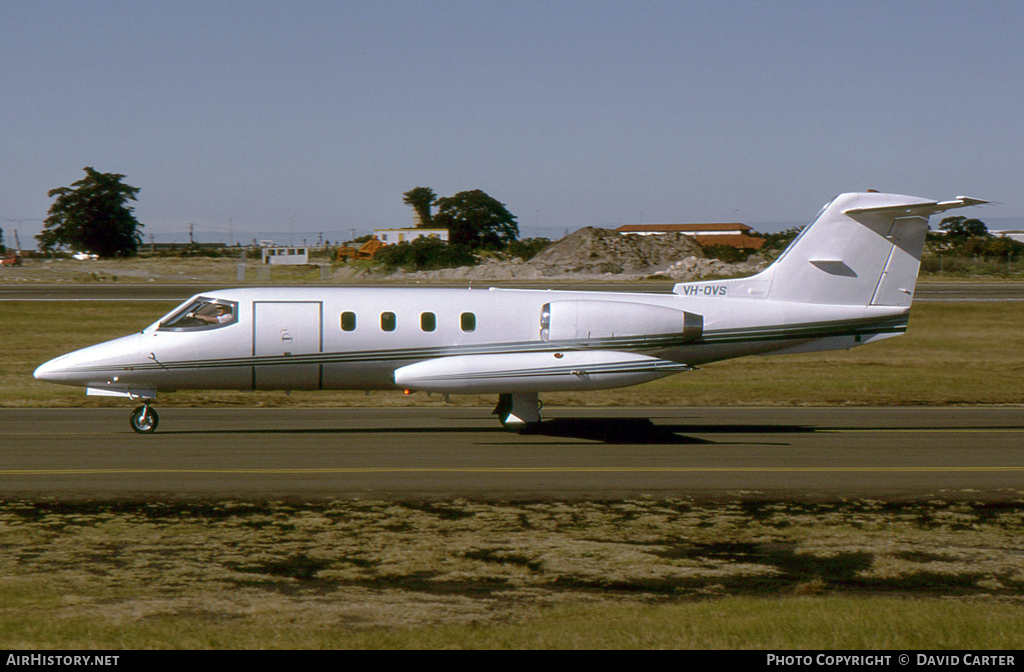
[863, 249]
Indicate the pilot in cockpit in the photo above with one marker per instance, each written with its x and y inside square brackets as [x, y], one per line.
[202, 314]
[220, 314]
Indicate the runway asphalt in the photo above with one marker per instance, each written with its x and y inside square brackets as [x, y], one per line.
[974, 453]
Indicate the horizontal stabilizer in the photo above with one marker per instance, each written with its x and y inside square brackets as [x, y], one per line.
[918, 209]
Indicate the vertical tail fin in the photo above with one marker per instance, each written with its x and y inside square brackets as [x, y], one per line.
[863, 249]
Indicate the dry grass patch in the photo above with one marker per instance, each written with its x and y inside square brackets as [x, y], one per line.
[226, 574]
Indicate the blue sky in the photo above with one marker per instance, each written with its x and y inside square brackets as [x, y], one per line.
[291, 118]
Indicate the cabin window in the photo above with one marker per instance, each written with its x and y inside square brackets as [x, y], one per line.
[468, 322]
[428, 321]
[202, 313]
[348, 321]
[388, 321]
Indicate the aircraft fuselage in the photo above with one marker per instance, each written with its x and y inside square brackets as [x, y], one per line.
[354, 338]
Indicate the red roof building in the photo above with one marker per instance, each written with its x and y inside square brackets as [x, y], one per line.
[735, 235]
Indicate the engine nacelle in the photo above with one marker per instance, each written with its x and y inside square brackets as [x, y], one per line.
[588, 320]
[534, 372]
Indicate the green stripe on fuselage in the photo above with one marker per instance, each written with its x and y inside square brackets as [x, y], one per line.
[797, 332]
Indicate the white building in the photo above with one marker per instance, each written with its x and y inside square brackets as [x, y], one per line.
[393, 236]
[282, 255]
[1010, 233]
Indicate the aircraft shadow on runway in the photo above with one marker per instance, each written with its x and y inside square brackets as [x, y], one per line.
[621, 431]
[614, 431]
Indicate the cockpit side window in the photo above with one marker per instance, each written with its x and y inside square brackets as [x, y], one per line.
[202, 314]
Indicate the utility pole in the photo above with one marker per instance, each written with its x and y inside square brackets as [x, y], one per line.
[17, 243]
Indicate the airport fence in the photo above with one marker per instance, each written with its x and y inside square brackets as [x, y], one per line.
[977, 265]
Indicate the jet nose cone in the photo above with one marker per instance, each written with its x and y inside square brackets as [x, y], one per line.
[52, 370]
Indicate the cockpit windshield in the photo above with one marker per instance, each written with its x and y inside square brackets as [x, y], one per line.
[202, 313]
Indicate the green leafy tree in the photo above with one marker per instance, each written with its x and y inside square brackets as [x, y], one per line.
[776, 243]
[960, 228]
[958, 236]
[1001, 246]
[93, 215]
[420, 199]
[475, 219]
[425, 254]
[727, 253]
[527, 248]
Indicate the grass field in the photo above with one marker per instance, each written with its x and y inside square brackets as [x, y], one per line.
[846, 575]
[953, 353]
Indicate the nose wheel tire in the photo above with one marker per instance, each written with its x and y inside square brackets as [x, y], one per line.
[144, 420]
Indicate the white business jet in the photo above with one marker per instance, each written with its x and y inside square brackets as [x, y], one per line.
[846, 280]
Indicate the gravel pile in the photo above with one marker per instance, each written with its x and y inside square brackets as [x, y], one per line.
[591, 253]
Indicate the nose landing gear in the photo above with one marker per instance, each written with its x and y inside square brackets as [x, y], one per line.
[144, 419]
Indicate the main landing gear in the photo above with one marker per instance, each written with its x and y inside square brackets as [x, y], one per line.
[144, 419]
[518, 411]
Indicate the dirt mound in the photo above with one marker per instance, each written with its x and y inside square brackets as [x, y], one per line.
[593, 253]
[599, 251]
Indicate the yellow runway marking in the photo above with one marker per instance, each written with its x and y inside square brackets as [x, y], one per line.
[511, 470]
[923, 430]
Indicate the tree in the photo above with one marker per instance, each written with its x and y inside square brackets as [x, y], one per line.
[425, 254]
[959, 228]
[475, 219]
[92, 215]
[776, 243]
[528, 248]
[1002, 246]
[420, 199]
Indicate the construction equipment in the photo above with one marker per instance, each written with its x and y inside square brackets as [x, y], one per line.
[366, 251]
